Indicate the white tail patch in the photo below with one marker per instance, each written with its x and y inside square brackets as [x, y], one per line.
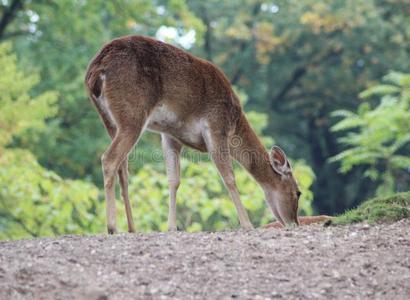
[103, 104]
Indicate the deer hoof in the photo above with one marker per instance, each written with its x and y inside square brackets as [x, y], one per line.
[111, 230]
[248, 226]
[172, 229]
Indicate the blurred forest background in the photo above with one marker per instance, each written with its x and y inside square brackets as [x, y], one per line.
[326, 80]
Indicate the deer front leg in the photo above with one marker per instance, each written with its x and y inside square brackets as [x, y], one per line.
[172, 150]
[217, 145]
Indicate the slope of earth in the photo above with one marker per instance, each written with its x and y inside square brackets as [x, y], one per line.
[311, 262]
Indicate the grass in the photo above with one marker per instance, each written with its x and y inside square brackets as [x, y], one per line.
[378, 210]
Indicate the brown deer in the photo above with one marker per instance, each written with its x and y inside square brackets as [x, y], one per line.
[139, 83]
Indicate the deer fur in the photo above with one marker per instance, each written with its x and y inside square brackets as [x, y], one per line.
[138, 83]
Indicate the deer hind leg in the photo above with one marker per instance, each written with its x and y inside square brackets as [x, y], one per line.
[218, 147]
[172, 150]
[123, 178]
[123, 169]
[121, 145]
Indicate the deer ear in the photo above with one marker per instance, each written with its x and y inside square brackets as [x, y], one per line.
[279, 161]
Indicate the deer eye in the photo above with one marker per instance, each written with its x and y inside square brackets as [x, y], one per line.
[298, 193]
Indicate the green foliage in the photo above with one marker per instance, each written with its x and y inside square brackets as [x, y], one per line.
[37, 202]
[377, 137]
[380, 209]
[19, 111]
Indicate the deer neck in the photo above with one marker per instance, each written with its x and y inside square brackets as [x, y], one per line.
[248, 150]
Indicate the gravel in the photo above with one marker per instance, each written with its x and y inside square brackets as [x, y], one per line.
[311, 262]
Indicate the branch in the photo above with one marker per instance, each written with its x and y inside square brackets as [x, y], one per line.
[294, 79]
[299, 72]
[14, 34]
[9, 14]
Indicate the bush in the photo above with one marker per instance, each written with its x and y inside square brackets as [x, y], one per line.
[36, 202]
[378, 137]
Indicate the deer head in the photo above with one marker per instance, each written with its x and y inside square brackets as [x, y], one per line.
[283, 194]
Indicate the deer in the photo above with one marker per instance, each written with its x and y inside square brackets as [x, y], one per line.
[138, 83]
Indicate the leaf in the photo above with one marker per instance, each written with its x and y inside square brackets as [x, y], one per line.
[399, 143]
[348, 123]
[395, 78]
[400, 162]
[343, 113]
[379, 90]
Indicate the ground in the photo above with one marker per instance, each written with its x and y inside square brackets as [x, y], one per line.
[357, 261]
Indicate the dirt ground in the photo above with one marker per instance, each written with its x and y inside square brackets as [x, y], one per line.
[310, 262]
